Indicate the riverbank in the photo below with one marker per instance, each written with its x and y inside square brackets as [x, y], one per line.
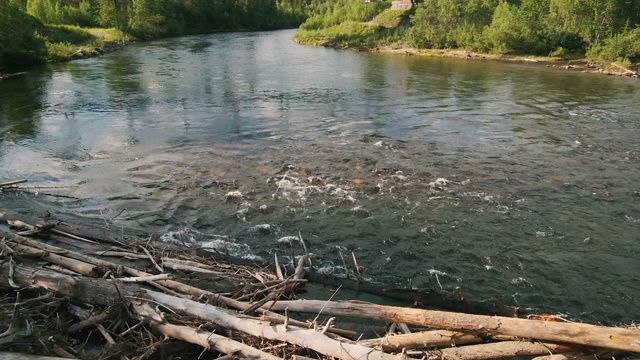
[63, 43]
[392, 31]
[582, 64]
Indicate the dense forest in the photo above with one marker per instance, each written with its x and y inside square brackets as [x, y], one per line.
[33, 30]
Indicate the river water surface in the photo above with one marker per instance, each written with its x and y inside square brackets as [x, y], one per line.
[509, 181]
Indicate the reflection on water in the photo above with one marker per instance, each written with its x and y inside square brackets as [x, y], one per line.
[510, 181]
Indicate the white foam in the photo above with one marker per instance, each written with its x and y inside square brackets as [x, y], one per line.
[218, 243]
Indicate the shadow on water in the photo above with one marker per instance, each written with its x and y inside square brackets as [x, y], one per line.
[21, 104]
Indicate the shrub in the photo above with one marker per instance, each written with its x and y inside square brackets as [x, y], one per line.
[624, 46]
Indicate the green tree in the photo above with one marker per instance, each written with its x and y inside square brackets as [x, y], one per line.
[114, 13]
[19, 45]
[593, 20]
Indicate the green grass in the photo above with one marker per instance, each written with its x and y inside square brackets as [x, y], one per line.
[392, 18]
[66, 42]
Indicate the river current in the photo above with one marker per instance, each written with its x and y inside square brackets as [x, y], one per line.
[509, 181]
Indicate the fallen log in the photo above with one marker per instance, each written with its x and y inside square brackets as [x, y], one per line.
[198, 337]
[423, 340]
[500, 350]
[307, 338]
[11, 183]
[575, 333]
[627, 71]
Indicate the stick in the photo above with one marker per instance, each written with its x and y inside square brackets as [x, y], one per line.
[145, 278]
[12, 265]
[299, 272]
[171, 264]
[304, 246]
[10, 183]
[92, 321]
[20, 356]
[355, 262]
[31, 187]
[22, 225]
[105, 334]
[151, 258]
[278, 269]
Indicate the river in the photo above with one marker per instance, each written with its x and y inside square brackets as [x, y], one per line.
[509, 181]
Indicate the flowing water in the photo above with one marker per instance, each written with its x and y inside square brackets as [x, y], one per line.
[510, 181]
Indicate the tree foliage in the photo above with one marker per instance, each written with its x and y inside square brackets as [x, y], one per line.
[21, 20]
[19, 43]
[524, 26]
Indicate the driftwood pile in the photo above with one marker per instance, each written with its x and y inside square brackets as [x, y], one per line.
[70, 295]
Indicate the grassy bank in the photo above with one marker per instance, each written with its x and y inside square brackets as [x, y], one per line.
[67, 42]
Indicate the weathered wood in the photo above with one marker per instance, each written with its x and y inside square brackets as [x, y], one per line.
[575, 333]
[170, 284]
[92, 321]
[601, 354]
[423, 339]
[80, 267]
[88, 290]
[11, 183]
[198, 337]
[103, 292]
[628, 71]
[499, 350]
[310, 339]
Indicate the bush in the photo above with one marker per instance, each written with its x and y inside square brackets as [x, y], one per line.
[329, 14]
[621, 47]
[60, 51]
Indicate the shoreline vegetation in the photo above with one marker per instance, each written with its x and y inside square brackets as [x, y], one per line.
[600, 36]
[407, 32]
